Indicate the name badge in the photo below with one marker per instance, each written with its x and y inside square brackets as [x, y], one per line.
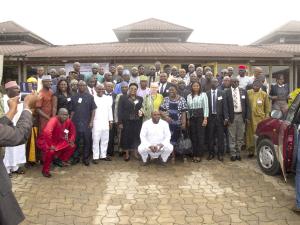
[79, 100]
[136, 101]
[66, 131]
[68, 99]
[243, 96]
[220, 98]
[259, 101]
[167, 90]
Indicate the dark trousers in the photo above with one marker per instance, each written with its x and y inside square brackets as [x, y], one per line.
[111, 142]
[83, 140]
[215, 131]
[227, 143]
[197, 132]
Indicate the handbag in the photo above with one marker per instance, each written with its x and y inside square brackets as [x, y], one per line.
[183, 145]
[197, 112]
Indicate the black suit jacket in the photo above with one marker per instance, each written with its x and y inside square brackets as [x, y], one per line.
[165, 93]
[222, 107]
[12, 136]
[244, 102]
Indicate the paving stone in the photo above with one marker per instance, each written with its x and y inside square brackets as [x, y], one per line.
[126, 193]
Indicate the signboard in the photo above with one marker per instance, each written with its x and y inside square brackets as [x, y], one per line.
[85, 68]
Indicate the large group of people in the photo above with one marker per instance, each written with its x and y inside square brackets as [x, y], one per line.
[91, 117]
[133, 113]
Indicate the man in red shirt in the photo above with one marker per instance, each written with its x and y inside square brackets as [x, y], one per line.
[57, 140]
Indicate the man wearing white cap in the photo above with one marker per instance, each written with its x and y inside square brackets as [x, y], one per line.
[14, 156]
[44, 105]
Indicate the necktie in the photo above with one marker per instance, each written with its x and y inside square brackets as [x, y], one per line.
[92, 89]
[161, 89]
[214, 111]
[235, 101]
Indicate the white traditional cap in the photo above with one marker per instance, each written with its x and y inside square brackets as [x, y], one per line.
[46, 77]
[95, 66]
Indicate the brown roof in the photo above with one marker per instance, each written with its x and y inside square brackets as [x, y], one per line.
[16, 50]
[12, 28]
[156, 49]
[153, 24]
[288, 48]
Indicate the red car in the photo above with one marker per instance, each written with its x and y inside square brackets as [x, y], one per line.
[275, 141]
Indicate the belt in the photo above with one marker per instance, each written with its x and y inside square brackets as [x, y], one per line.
[238, 112]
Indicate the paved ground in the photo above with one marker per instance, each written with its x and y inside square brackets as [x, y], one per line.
[121, 192]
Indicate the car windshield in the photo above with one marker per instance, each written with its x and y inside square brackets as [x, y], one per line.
[293, 109]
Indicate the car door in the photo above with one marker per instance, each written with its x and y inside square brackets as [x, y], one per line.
[286, 137]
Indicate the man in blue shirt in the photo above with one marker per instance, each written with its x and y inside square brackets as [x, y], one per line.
[83, 113]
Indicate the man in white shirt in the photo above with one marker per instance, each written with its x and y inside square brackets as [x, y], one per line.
[101, 125]
[155, 139]
[243, 79]
[14, 156]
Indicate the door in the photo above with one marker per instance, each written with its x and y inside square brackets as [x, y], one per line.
[286, 142]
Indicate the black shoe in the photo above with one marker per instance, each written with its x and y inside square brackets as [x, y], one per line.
[144, 163]
[210, 157]
[48, 175]
[162, 163]
[251, 155]
[220, 158]
[233, 158]
[86, 163]
[95, 161]
[238, 158]
[75, 161]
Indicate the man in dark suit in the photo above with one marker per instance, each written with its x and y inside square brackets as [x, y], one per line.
[109, 91]
[217, 119]
[10, 212]
[164, 85]
[239, 112]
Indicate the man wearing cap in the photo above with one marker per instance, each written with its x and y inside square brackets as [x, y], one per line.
[143, 89]
[125, 78]
[102, 124]
[230, 71]
[243, 79]
[260, 108]
[14, 156]
[95, 73]
[44, 104]
[134, 76]
[40, 72]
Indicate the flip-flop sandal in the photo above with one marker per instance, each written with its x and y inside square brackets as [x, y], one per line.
[19, 171]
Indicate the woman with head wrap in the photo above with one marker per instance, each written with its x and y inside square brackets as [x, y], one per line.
[260, 109]
[130, 120]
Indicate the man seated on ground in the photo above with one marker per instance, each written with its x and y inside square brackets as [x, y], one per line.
[57, 140]
[155, 139]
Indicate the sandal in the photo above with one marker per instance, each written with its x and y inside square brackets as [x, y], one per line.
[19, 171]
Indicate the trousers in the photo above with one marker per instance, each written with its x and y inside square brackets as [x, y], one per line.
[164, 153]
[236, 135]
[100, 143]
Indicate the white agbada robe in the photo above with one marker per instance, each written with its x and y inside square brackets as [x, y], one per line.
[100, 131]
[154, 134]
[14, 156]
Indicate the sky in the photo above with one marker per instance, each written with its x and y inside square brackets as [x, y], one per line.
[91, 21]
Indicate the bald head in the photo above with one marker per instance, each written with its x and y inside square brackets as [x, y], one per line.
[63, 114]
[76, 67]
[257, 71]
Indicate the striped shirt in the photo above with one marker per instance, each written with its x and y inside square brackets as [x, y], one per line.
[198, 102]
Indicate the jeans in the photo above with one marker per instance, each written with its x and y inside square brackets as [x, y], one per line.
[298, 173]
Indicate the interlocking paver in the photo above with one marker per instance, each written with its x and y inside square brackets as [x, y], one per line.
[126, 193]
